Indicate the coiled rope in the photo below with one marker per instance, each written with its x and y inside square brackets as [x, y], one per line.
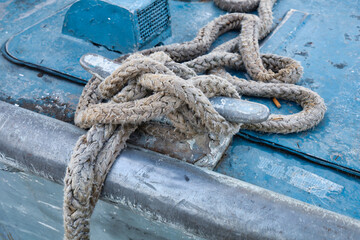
[165, 81]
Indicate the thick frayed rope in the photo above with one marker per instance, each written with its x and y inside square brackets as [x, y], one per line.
[142, 89]
[155, 84]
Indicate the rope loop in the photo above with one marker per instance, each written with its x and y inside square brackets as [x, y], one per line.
[166, 81]
[160, 92]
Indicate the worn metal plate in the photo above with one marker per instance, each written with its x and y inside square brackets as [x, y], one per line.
[290, 175]
[200, 150]
[326, 42]
[43, 46]
[23, 86]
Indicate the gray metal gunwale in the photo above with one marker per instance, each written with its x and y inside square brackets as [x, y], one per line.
[201, 202]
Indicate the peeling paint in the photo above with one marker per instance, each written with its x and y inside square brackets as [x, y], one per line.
[300, 178]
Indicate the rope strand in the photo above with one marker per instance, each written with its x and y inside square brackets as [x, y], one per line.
[163, 81]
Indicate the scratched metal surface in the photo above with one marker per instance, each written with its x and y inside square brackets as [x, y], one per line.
[327, 45]
[293, 176]
[31, 208]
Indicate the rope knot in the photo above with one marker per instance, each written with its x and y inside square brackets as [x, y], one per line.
[146, 88]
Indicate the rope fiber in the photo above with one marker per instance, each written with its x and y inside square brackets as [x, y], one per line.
[176, 81]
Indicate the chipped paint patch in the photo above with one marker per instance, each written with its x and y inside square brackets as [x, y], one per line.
[300, 178]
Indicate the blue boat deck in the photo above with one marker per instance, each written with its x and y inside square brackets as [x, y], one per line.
[320, 166]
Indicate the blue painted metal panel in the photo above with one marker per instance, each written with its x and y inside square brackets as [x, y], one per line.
[290, 175]
[102, 23]
[118, 25]
[25, 87]
[327, 44]
[330, 59]
[88, 26]
[43, 45]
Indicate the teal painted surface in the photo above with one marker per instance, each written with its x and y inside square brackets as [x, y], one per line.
[88, 26]
[36, 47]
[290, 175]
[284, 163]
[98, 22]
[24, 86]
[327, 44]
[118, 25]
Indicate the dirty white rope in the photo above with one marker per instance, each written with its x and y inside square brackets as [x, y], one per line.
[154, 83]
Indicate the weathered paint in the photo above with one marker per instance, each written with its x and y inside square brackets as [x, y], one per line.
[291, 175]
[327, 45]
[330, 57]
[191, 200]
[75, 31]
[119, 25]
[300, 178]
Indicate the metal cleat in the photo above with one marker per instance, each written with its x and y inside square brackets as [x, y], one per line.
[202, 150]
[233, 110]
